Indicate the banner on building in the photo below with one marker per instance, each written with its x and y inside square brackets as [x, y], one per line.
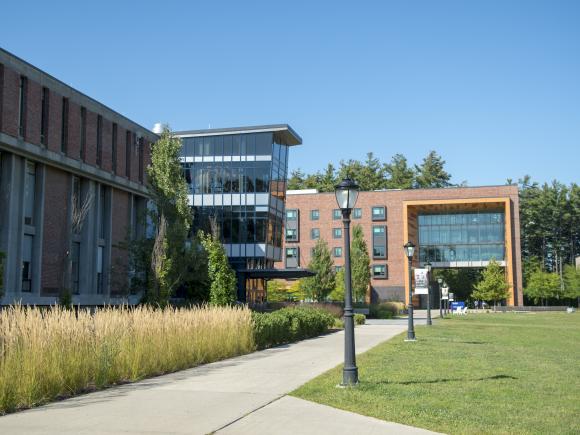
[445, 293]
[421, 282]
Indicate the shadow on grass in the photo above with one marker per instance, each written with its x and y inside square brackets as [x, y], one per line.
[443, 380]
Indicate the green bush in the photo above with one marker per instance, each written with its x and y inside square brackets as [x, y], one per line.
[359, 319]
[385, 310]
[289, 324]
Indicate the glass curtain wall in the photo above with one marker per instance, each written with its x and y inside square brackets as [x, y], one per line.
[462, 237]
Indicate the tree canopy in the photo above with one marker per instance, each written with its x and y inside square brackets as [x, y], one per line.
[318, 287]
[493, 285]
[360, 264]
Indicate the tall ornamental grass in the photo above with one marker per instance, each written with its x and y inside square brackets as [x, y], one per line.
[50, 353]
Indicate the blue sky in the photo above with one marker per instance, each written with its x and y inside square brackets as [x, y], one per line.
[493, 86]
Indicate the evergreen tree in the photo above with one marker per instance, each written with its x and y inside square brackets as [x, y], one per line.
[318, 287]
[431, 173]
[223, 287]
[493, 285]
[399, 174]
[296, 180]
[360, 265]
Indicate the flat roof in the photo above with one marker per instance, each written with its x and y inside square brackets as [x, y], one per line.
[286, 132]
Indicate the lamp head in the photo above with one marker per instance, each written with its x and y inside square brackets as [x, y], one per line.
[409, 249]
[346, 193]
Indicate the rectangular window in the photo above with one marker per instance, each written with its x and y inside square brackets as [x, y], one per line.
[315, 233]
[44, 117]
[379, 241]
[378, 213]
[337, 268]
[337, 233]
[22, 101]
[292, 258]
[337, 251]
[291, 215]
[379, 271]
[291, 235]
[29, 193]
[114, 149]
[64, 127]
[336, 214]
[128, 154]
[83, 133]
[99, 140]
[100, 284]
[27, 263]
[75, 272]
[357, 213]
[76, 201]
[314, 215]
[102, 212]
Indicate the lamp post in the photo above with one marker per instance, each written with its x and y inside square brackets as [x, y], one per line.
[428, 267]
[440, 282]
[346, 194]
[409, 251]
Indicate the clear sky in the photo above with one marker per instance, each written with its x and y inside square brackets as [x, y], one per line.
[493, 86]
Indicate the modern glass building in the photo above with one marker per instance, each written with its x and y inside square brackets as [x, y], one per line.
[237, 181]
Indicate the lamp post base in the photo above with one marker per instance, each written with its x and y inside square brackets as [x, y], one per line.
[350, 377]
[411, 340]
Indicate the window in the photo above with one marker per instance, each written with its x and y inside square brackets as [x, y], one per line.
[314, 215]
[315, 233]
[100, 270]
[102, 212]
[337, 233]
[44, 117]
[379, 252]
[291, 252]
[22, 100]
[64, 127]
[379, 271]
[337, 251]
[83, 133]
[378, 213]
[292, 258]
[291, 235]
[75, 263]
[337, 268]
[357, 213]
[27, 263]
[128, 154]
[99, 140]
[114, 148]
[291, 215]
[140, 153]
[336, 214]
[29, 193]
[379, 241]
[76, 201]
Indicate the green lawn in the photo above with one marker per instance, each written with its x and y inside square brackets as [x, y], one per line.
[485, 373]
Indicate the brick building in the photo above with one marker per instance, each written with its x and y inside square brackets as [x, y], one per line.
[72, 182]
[461, 227]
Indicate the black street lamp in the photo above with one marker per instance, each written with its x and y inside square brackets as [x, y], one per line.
[440, 282]
[346, 194]
[409, 251]
[428, 267]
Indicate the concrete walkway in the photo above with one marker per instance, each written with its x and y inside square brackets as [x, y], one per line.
[239, 395]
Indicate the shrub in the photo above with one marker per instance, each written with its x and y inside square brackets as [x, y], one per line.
[56, 352]
[359, 319]
[289, 324]
[386, 310]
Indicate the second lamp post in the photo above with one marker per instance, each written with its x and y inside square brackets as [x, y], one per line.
[346, 194]
[409, 251]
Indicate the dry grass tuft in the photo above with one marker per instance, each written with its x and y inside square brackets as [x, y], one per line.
[50, 353]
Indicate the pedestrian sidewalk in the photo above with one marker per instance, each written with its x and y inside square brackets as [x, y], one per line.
[238, 395]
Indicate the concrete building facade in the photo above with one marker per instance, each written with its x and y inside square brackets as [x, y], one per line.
[72, 182]
[462, 227]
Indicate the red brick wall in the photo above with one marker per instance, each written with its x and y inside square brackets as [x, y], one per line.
[135, 159]
[10, 102]
[106, 145]
[56, 232]
[55, 119]
[121, 151]
[91, 148]
[74, 131]
[33, 112]
[119, 256]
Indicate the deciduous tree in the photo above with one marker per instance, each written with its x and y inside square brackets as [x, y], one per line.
[318, 287]
[360, 264]
[493, 285]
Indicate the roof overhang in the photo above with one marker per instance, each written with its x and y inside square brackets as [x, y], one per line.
[283, 132]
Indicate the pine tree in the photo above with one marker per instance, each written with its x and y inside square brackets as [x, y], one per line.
[493, 285]
[431, 173]
[296, 180]
[318, 287]
[223, 287]
[360, 264]
[399, 174]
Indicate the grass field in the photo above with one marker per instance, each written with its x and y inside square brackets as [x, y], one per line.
[487, 373]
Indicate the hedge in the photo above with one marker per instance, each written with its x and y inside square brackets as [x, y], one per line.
[289, 324]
